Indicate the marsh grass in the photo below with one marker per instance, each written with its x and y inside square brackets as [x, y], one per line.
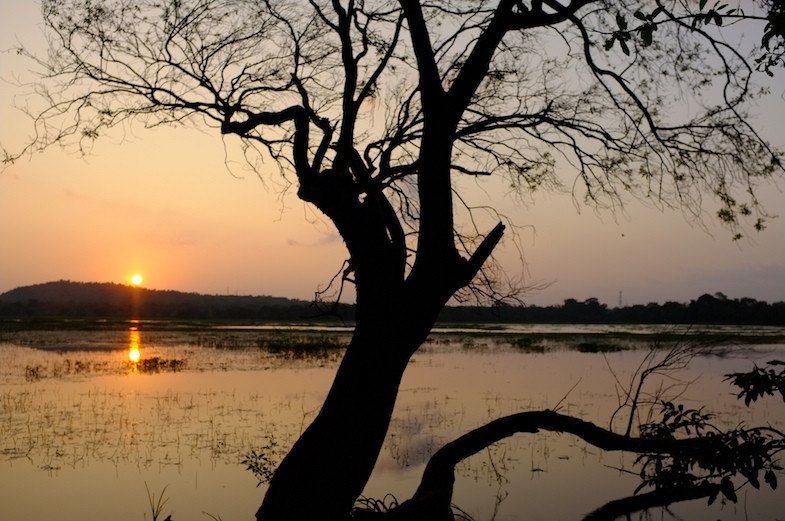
[303, 344]
[370, 509]
[157, 364]
[53, 428]
[528, 344]
[598, 347]
[157, 505]
[67, 367]
[274, 341]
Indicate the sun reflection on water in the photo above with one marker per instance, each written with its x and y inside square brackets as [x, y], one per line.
[134, 344]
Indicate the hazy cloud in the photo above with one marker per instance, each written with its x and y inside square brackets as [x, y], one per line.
[325, 240]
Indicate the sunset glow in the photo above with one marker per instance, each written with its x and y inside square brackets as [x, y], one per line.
[206, 227]
[136, 279]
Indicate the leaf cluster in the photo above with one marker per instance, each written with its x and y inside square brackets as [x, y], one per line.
[645, 30]
[760, 381]
[262, 463]
[675, 420]
[714, 15]
[711, 458]
[773, 40]
[648, 23]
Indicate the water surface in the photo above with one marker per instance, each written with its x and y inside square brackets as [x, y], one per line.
[91, 420]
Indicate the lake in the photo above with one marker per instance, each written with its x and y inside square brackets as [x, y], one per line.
[99, 420]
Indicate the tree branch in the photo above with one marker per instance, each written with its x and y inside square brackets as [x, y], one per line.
[429, 77]
[436, 486]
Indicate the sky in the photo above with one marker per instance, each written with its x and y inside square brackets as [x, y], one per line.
[165, 203]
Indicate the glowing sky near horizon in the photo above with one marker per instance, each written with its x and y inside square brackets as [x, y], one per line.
[163, 203]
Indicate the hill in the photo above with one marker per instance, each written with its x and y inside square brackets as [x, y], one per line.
[107, 300]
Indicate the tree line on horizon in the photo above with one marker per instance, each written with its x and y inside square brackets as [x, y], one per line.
[107, 300]
[706, 309]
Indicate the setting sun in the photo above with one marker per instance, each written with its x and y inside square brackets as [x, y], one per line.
[136, 279]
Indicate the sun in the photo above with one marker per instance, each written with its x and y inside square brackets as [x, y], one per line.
[136, 279]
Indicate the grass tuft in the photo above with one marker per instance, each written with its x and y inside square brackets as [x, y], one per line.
[157, 505]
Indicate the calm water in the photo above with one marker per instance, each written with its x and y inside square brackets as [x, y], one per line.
[92, 420]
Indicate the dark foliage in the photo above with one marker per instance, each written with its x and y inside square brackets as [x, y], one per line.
[760, 381]
[706, 309]
[712, 458]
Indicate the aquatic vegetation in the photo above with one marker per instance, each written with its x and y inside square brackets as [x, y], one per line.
[528, 344]
[157, 505]
[598, 347]
[303, 343]
[66, 367]
[263, 461]
[156, 364]
[369, 509]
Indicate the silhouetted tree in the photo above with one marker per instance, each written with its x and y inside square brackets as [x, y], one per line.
[373, 108]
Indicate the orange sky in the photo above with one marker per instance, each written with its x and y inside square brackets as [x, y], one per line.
[163, 203]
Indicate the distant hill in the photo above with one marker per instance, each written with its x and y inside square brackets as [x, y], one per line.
[92, 299]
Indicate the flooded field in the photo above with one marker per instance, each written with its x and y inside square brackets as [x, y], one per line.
[102, 422]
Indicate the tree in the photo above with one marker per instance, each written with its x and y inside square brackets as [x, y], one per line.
[374, 108]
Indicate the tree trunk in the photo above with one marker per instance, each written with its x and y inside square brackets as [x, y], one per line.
[328, 467]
